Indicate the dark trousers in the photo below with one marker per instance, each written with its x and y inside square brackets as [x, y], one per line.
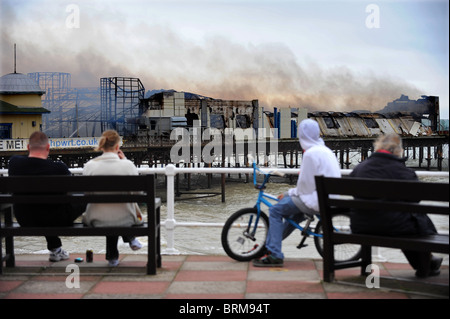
[112, 252]
[48, 216]
[418, 260]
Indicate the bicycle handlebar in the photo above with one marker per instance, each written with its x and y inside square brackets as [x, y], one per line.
[267, 175]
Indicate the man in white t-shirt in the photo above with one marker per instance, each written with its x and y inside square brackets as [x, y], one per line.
[298, 201]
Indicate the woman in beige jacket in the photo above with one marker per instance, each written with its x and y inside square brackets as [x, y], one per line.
[112, 162]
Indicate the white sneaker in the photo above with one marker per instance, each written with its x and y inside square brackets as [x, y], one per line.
[113, 262]
[135, 244]
[58, 254]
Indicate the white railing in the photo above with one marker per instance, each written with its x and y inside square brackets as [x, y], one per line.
[170, 171]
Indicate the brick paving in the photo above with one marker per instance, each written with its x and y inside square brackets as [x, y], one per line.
[208, 277]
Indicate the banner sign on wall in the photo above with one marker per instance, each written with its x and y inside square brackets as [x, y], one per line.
[55, 143]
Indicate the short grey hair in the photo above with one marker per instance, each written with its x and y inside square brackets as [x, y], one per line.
[389, 142]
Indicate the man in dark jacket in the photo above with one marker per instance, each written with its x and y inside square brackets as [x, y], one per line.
[46, 215]
[387, 163]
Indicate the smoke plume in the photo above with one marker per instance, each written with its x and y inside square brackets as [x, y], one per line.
[215, 66]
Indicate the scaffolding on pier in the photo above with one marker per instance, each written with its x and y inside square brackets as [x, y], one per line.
[73, 111]
[121, 104]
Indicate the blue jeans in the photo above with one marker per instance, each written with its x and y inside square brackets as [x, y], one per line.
[279, 228]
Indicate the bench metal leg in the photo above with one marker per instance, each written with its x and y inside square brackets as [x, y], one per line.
[151, 262]
[9, 241]
[8, 257]
[1, 256]
[152, 240]
[328, 262]
[151, 253]
[158, 238]
[366, 258]
[9, 245]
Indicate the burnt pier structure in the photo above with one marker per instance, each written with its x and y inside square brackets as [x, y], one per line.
[428, 152]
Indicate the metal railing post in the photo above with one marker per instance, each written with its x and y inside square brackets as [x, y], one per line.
[170, 222]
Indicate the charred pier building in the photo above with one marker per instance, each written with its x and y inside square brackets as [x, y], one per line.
[146, 121]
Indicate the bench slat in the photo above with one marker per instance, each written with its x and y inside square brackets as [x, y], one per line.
[61, 184]
[77, 229]
[72, 198]
[364, 204]
[436, 243]
[387, 189]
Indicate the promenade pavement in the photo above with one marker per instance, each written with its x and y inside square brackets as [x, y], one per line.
[208, 277]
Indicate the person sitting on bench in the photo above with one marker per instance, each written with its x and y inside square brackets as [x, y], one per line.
[46, 215]
[387, 162]
[112, 162]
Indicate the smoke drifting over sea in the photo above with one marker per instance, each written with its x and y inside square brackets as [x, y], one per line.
[214, 66]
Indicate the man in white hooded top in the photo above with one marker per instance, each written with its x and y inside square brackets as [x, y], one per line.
[298, 201]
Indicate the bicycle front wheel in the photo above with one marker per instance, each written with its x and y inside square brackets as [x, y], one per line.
[244, 234]
[342, 252]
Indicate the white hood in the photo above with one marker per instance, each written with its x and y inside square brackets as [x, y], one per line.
[309, 134]
[317, 160]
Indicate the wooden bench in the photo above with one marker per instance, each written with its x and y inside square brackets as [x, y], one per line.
[81, 190]
[389, 195]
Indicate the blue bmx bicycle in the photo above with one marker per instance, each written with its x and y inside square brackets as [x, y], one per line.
[244, 233]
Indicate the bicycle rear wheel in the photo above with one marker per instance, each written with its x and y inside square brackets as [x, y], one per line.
[241, 240]
[342, 252]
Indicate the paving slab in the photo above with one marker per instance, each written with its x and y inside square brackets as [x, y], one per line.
[208, 277]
